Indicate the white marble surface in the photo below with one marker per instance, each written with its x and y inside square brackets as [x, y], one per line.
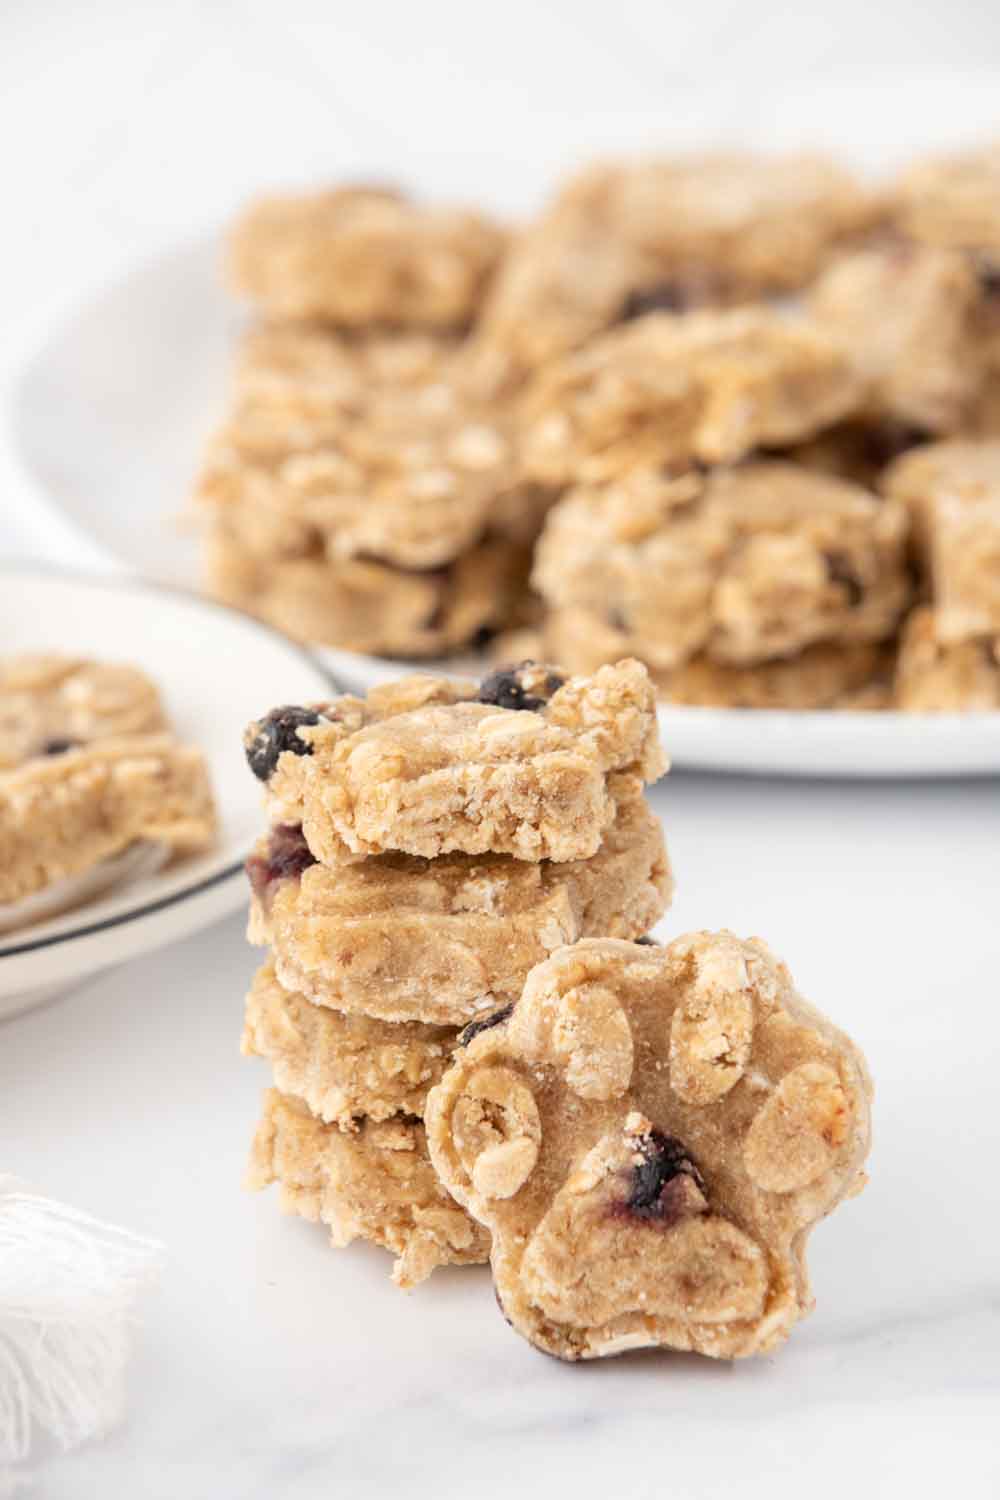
[268, 1366]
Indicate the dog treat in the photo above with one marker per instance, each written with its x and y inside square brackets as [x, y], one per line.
[856, 676]
[375, 1183]
[741, 564]
[649, 1136]
[624, 239]
[952, 491]
[445, 940]
[910, 317]
[523, 763]
[954, 201]
[62, 813]
[362, 255]
[362, 605]
[50, 704]
[934, 676]
[346, 1068]
[703, 387]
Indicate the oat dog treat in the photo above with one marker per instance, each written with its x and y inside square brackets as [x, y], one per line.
[363, 605]
[854, 676]
[743, 564]
[909, 314]
[346, 1068]
[445, 940]
[955, 201]
[524, 764]
[363, 255]
[375, 1184]
[704, 387]
[624, 239]
[62, 814]
[51, 704]
[649, 1136]
[953, 493]
[935, 676]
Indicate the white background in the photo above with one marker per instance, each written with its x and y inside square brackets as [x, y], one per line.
[268, 1366]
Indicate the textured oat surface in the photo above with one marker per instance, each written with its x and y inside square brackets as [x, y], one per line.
[936, 676]
[952, 490]
[346, 1068]
[650, 1136]
[375, 1183]
[429, 765]
[665, 389]
[742, 564]
[448, 939]
[62, 814]
[361, 255]
[50, 703]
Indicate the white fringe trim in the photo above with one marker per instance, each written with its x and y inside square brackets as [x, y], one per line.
[67, 1285]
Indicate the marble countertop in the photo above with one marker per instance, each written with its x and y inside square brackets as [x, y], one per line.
[270, 1365]
[267, 1365]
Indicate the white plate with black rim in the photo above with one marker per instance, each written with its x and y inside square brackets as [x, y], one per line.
[216, 671]
[109, 443]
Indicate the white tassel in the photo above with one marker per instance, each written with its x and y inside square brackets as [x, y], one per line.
[67, 1285]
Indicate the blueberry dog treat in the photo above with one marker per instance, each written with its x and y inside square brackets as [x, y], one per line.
[935, 676]
[362, 605]
[64, 812]
[346, 1068]
[910, 315]
[523, 763]
[449, 939]
[362, 255]
[675, 390]
[375, 1183]
[649, 1136]
[50, 704]
[624, 239]
[952, 491]
[741, 564]
[855, 676]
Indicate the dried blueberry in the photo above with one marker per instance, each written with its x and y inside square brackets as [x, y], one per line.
[287, 856]
[664, 1158]
[59, 746]
[525, 686]
[276, 732]
[664, 296]
[473, 1029]
[649, 942]
[839, 570]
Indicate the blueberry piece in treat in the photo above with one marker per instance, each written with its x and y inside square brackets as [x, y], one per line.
[528, 686]
[665, 296]
[839, 570]
[287, 856]
[275, 733]
[649, 942]
[59, 746]
[473, 1029]
[660, 1181]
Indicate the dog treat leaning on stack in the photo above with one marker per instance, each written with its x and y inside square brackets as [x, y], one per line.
[429, 844]
[649, 1135]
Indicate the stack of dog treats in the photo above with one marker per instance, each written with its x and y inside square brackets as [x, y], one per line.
[738, 417]
[428, 846]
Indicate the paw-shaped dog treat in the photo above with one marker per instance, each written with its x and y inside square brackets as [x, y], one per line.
[649, 1135]
[446, 940]
[524, 764]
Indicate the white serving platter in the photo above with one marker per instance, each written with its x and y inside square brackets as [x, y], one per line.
[107, 419]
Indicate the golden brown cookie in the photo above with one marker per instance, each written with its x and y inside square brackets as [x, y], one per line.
[523, 763]
[649, 1136]
[50, 704]
[935, 676]
[448, 939]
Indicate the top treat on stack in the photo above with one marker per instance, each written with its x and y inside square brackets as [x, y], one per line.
[525, 763]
